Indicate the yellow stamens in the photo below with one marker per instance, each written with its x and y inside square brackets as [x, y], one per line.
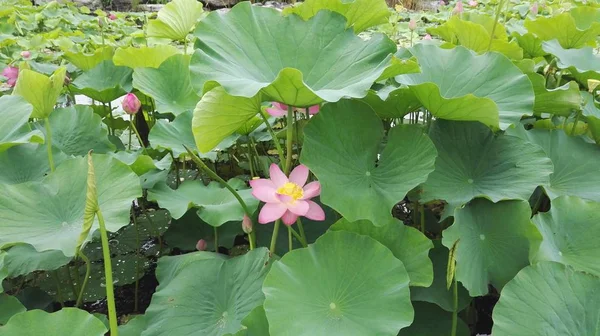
[292, 190]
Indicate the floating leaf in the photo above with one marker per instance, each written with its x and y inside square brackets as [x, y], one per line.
[14, 129]
[144, 57]
[320, 287]
[105, 82]
[67, 321]
[175, 20]
[39, 90]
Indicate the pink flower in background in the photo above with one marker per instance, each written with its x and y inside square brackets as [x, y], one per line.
[314, 109]
[412, 24]
[473, 3]
[201, 245]
[427, 37]
[534, 9]
[442, 3]
[131, 104]
[287, 198]
[247, 224]
[112, 16]
[458, 9]
[278, 110]
[11, 73]
[25, 54]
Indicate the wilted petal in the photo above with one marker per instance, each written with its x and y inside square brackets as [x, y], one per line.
[277, 176]
[289, 218]
[315, 212]
[311, 190]
[299, 175]
[271, 212]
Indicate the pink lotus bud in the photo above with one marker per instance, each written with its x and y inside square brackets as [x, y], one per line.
[131, 104]
[112, 16]
[458, 9]
[67, 80]
[473, 3]
[11, 74]
[442, 3]
[101, 21]
[247, 224]
[201, 245]
[314, 109]
[534, 9]
[427, 37]
[25, 54]
[412, 24]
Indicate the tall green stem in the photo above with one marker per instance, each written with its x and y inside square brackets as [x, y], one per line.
[274, 236]
[455, 307]
[49, 143]
[289, 140]
[137, 261]
[274, 137]
[575, 123]
[137, 134]
[302, 234]
[422, 211]
[110, 292]
[496, 18]
[88, 268]
[216, 239]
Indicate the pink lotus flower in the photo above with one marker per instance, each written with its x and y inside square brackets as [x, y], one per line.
[314, 109]
[473, 3]
[280, 109]
[534, 9]
[201, 245]
[11, 73]
[412, 24]
[442, 3]
[287, 198]
[458, 9]
[247, 224]
[427, 37]
[112, 16]
[131, 104]
[25, 54]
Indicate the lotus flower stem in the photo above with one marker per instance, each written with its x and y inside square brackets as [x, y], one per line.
[274, 137]
[88, 268]
[216, 239]
[110, 293]
[496, 18]
[137, 134]
[290, 247]
[274, 236]
[49, 143]
[454, 307]
[575, 123]
[302, 234]
[137, 260]
[422, 211]
[289, 140]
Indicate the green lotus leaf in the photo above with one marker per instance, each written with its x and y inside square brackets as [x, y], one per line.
[169, 85]
[144, 57]
[39, 90]
[67, 321]
[358, 179]
[197, 300]
[27, 162]
[438, 293]
[54, 207]
[359, 14]
[104, 83]
[169, 267]
[591, 113]
[3, 270]
[497, 97]
[583, 63]
[218, 115]
[472, 162]
[494, 242]
[425, 313]
[548, 299]
[399, 66]
[23, 259]
[9, 306]
[175, 20]
[87, 62]
[569, 230]
[216, 204]
[575, 162]
[563, 100]
[296, 62]
[255, 324]
[320, 287]
[14, 129]
[572, 30]
[142, 163]
[531, 45]
[77, 129]
[392, 102]
[133, 327]
[406, 243]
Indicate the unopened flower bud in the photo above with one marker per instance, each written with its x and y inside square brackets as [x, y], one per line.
[131, 104]
[247, 224]
[112, 16]
[201, 245]
[534, 9]
[25, 54]
[458, 9]
[412, 24]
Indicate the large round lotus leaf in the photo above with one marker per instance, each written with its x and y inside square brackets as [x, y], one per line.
[438, 292]
[570, 232]
[67, 321]
[472, 162]
[360, 14]
[104, 83]
[293, 61]
[571, 30]
[3, 270]
[591, 113]
[77, 129]
[133, 327]
[208, 297]
[54, 207]
[531, 44]
[392, 102]
[493, 242]
[255, 324]
[457, 84]
[14, 113]
[548, 299]
[406, 243]
[575, 162]
[433, 321]
[23, 259]
[169, 85]
[141, 163]
[9, 306]
[144, 57]
[169, 267]
[358, 179]
[40, 90]
[27, 162]
[216, 204]
[85, 61]
[583, 63]
[563, 100]
[219, 114]
[343, 284]
[175, 20]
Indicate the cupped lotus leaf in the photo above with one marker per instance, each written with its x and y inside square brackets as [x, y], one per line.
[531, 45]
[219, 114]
[583, 63]
[406, 243]
[255, 324]
[392, 102]
[39, 90]
[358, 179]
[570, 29]
[296, 62]
[457, 84]
[575, 162]
[27, 162]
[144, 57]
[423, 325]
[141, 163]
[77, 129]
[169, 85]
[591, 113]
[14, 129]
[9, 306]
[563, 100]
[208, 297]
[55, 206]
[67, 321]
[216, 204]
[23, 259]
[399, 66]
[320, 287]
[493, 245]
[86, 61]
[548, 299]
[175, 20]
[473, 162]
[570, 230]
[105, 82]
[359, 14]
